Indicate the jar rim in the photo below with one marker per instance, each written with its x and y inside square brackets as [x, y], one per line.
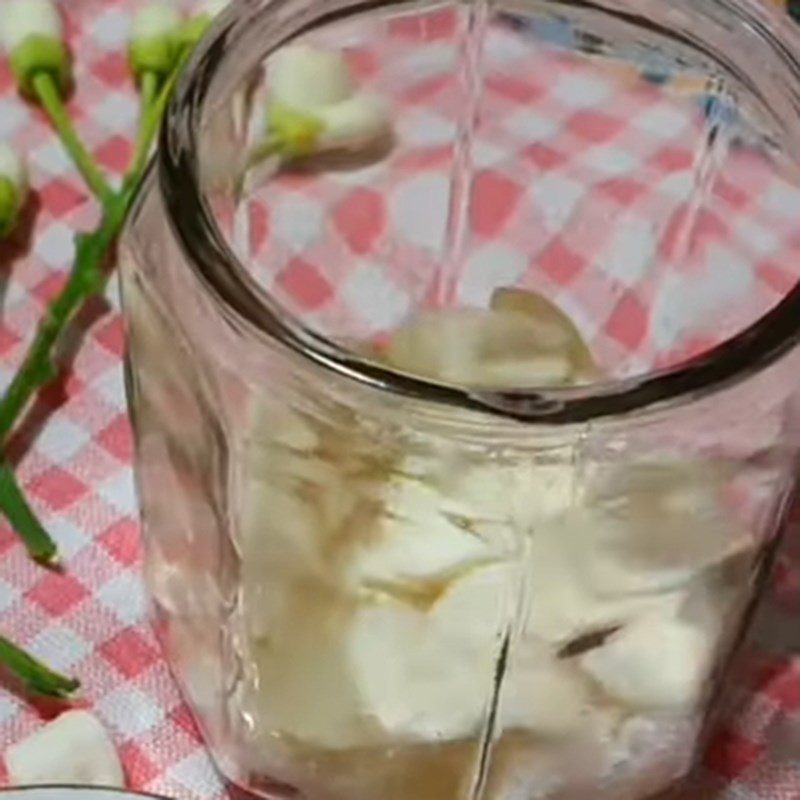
[739, 357]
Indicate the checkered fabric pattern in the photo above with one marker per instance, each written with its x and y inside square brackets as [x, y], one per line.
[74, 449]
[591, 185]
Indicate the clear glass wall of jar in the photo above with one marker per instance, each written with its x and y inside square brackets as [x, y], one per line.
[395, 579]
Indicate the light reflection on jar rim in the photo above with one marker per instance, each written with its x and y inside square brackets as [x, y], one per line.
[744, 355]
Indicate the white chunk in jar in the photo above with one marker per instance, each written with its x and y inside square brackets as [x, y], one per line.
[477, 347]
[654, 527]
[437, 684]
[408, 650]
[417, 540]
[537, 307]
[657, 662]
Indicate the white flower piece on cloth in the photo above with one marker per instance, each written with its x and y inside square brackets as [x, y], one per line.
[316, 105]
[22, 19]
[74, 748]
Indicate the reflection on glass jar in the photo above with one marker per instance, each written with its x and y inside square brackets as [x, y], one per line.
[463, 373]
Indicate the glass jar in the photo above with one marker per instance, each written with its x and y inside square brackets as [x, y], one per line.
[477, 568]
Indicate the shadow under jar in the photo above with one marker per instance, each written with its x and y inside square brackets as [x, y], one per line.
[462, 455]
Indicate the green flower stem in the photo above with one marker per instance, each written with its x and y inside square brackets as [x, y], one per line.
[38, 369]
[151, 119]
[84, 280]
[37, 540]
[35, 676]
[149, 97]
[47, 92]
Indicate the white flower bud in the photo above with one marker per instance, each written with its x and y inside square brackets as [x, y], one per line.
[316, 106]
[307, 79]
[155, 21]
[155, 38]
[32, 35]
[21, 19]
[353, 123]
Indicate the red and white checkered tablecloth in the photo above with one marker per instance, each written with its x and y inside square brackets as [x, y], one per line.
[75, 447]
[74, 452]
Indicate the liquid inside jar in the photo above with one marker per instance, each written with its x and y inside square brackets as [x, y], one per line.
[426, 619]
